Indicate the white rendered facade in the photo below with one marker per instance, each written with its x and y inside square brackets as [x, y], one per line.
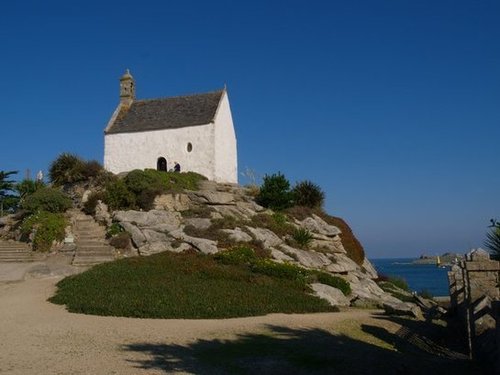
[208, 149]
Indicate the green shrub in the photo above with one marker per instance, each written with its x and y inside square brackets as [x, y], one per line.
[104, 178]
[237, 255]
[138, 180]
[276, 223]
[150, 179]
[113, 230]
[308, 194]
[334, 281]
[47, 199]
[280, 270]
[183, 181]
[275, 192]
[67, 168]
[279, 218]
[48, 227]
[302, 237]
[28, 187]
[394, 291]
[147, 184]
[397, 281]
[120, 241]
[118, 196]
[91, 203]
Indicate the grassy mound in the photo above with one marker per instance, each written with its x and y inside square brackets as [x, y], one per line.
[191, 286]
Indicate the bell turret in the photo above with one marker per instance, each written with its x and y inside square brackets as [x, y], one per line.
[127, 89]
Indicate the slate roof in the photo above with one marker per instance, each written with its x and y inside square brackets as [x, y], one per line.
[167, 113]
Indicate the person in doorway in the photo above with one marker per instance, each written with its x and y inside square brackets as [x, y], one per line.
[177, 167]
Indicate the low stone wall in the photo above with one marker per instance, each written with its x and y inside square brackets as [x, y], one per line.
[474, 297]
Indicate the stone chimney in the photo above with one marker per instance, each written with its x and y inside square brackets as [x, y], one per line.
[127, 89]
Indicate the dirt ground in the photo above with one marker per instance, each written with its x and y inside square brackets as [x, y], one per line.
[38, 337]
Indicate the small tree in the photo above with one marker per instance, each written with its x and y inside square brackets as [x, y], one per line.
[492, 241]
[8, 200]
[275, 192]
[27, 187]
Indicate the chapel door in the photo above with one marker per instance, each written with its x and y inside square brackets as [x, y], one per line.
[161, 164]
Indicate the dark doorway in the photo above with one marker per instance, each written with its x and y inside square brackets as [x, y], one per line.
[161, 164]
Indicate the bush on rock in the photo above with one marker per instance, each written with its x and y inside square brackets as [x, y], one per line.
[47, 199]
[275, 192]
[308, 194]
[47, 228]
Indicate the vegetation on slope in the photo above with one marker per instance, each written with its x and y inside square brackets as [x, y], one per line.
[140, 187]
[305, 199]
[193, 286]
[351, 244]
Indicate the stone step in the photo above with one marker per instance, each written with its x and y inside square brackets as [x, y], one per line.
[14, 251]
[91, 231]
[14, 245]
[93, 246]
[90, 261]
[95, 254]
[91, 242]
[16, 260]
[89, 237]
[101, 248]
[15, 256]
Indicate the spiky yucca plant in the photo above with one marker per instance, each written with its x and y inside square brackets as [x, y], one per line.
[492, 241]
[308, 194]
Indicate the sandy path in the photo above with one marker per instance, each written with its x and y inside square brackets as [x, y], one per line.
[38, 337]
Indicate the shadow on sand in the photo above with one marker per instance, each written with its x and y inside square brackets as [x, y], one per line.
[282, 350]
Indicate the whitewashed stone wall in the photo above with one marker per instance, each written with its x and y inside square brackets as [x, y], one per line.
[226, 159]
[213, 151]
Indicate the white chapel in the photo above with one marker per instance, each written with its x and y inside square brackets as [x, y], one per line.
[195, 131]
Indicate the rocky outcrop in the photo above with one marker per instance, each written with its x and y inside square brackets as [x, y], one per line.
[267, 237]
[307, 258]
[315, 224]
[165, 229]
[172, 202]
[334, 296]
[403, 309]
[237, 235]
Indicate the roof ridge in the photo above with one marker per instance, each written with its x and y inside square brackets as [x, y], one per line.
[181, 96]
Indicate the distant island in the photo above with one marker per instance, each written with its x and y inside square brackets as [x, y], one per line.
[446, 259]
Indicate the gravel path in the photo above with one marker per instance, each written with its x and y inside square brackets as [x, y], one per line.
[38, 337]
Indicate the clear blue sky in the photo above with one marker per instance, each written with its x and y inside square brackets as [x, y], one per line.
[393, 107]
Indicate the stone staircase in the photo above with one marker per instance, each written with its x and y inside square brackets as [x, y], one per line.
[91, 245]
[13, 251]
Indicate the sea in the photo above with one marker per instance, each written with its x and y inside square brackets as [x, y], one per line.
[419, 277]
